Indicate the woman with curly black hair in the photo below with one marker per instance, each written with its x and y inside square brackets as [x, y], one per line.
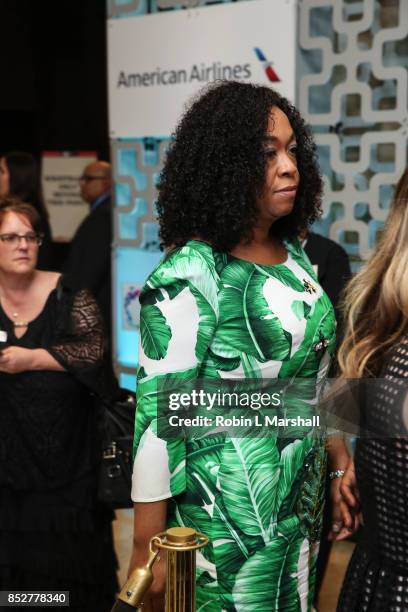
[215, 169]
[235, 298]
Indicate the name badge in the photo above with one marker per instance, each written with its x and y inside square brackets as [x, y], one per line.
[3, 336]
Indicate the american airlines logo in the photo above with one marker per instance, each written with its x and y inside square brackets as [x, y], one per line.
[200, 73]
[267, 66]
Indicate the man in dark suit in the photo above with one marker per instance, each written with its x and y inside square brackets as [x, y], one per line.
[332, 267]
[88, 263]
[332, 263]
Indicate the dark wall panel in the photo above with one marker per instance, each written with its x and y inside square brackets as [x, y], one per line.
[53, 76]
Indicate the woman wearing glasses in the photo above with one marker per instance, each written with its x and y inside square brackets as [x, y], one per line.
[53, 533]
[20, 178]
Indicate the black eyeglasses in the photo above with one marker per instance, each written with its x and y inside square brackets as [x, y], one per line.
[88, 177]
[15, 239]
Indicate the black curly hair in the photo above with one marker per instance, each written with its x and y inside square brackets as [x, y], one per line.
[215, 169]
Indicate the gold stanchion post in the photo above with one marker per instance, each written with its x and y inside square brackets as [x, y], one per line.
[181, 544]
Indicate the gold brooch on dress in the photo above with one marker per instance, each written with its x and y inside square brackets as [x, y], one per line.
[308, 286]
[322, 344]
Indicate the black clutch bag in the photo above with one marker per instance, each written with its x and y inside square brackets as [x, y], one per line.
[115, 479]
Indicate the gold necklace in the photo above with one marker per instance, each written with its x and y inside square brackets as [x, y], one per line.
[18, 323]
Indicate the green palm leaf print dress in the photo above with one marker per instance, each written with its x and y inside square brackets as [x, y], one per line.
[210, 315]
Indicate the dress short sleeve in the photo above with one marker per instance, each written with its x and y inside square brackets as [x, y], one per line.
[178, 318]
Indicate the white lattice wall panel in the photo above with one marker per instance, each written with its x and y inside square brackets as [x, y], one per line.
[353, 92]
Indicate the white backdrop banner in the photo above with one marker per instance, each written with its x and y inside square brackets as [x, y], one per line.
[157, 62]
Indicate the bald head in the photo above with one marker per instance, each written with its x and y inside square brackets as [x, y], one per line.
[96, 180]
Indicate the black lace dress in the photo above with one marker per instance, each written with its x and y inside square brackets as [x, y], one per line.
[377, 576]
[54, 534]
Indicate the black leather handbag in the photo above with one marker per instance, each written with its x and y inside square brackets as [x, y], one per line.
[115, 480]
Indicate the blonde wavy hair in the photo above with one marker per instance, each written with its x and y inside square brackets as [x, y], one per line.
[375, 303]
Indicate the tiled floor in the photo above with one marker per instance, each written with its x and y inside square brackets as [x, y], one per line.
[341, 552]
[339, 558]
[122, 533]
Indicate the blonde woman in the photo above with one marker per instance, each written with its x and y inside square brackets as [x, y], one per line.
[375, 350]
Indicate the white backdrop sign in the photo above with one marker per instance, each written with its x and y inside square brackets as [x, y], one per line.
[157, 62]
[60, 182]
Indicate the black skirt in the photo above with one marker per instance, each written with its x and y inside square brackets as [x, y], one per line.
[45, 545]
[54, 533]
[377, 577]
